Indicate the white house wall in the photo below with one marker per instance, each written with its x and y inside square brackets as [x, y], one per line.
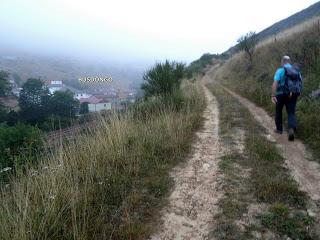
[99, 107]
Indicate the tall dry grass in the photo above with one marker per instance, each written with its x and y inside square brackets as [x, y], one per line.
[107, 183]
[291, 31]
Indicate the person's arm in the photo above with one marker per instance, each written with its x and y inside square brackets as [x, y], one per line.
[274, 88]
[273, 91]
[276, 79]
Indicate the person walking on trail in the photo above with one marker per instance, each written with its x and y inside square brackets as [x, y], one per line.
[286, 88]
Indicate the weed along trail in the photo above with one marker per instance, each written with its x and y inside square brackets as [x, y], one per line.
[192, 203]
[305, 172]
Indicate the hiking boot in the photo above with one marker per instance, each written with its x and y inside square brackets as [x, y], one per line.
[291, 134]
[278, 131]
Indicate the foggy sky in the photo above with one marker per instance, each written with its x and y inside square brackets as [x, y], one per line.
[141, 30]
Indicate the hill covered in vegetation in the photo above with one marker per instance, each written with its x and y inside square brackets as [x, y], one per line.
[298, 18]
[282, 26]
[253, 80]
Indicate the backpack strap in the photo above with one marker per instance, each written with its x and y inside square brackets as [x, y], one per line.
[284, 81]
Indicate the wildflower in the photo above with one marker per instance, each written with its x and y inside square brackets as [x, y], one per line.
[51, 197]
[5, 169]
[34, 173]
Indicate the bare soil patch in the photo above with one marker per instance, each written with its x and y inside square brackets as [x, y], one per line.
[192, 203]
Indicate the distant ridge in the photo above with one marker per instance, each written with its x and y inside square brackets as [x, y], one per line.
[295, 19]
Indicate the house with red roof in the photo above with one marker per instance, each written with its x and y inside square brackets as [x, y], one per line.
[9, 103]
[96, 104]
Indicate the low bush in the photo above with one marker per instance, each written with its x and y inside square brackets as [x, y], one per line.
[163, 78]
[18, 145]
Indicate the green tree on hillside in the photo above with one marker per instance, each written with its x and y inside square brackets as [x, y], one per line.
[3, 113]
[5, 88]
[33, 101]
[248, 43]
[18, 143]
[84, 108]
[63, 104]
[163, 78]
[12, 118]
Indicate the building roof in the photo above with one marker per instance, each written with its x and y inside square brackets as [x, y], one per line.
[74, 90]
[55, 85]
[64, 88]
[102, 91]
[9, 103]
[92, 100]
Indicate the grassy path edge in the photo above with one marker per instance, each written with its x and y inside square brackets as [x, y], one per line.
[261, 199]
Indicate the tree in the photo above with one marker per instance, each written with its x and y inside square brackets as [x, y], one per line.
[19, 144]
[12, 118]
[33, 101]
[248, 43]
[5, 88]
[84, 108]
[63, 104]
[206, 59]
[163, 78]
[3, 113]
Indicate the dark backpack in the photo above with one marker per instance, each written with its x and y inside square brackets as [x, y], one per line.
[292, 82]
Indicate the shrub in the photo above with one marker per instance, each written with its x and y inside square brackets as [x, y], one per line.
[84, 108]
[18, 144]
[12, 118]
[248, 43]
[3, 113]
[5, 88]
[163, 78]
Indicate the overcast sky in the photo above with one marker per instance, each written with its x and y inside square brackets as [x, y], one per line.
[136, 29]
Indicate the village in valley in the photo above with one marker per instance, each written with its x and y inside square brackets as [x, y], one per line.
[97, 97]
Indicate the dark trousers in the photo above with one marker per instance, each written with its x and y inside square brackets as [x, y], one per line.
[290, 103]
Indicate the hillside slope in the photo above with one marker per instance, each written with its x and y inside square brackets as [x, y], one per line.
[299, 17]
[283, 25]
[68, 70]
[294, 20]
[254, 81]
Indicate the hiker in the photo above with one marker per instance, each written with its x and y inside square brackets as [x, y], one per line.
[286, 88]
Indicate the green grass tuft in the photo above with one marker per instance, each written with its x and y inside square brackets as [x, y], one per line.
[281, 220]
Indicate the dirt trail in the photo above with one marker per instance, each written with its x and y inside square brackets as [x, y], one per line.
[192, 204]
[305, 172]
